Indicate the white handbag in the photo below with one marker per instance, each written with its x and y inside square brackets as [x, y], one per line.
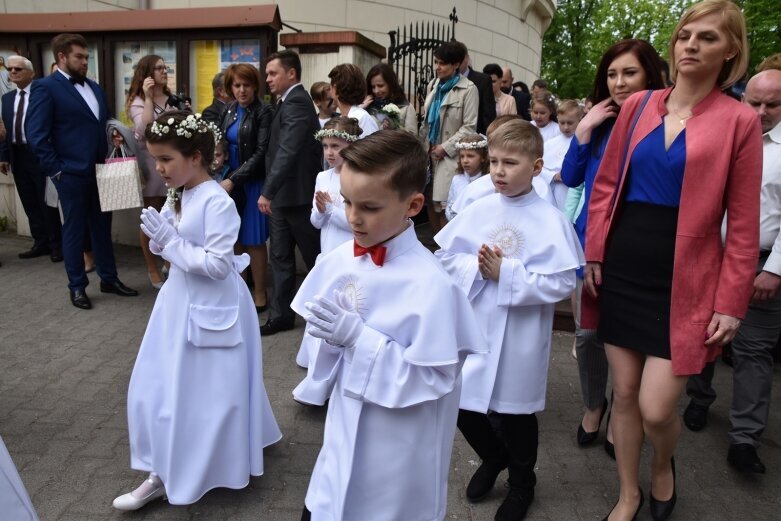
[119, 182]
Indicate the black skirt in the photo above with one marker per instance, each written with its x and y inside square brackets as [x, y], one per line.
[637, 278]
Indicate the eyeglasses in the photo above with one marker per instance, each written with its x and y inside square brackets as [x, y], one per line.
[160, 68]
[16, 69]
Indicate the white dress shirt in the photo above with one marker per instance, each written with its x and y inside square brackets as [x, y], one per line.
[288, 91]
[24, 114]
[86, 93]
[770, 202]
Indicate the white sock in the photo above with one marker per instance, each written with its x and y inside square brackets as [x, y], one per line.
[149, 485]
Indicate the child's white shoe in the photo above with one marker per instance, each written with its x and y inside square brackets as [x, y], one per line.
[151, 489]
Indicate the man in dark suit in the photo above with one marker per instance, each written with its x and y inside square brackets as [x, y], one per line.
[66, 129]
[522, 99]
[214, 111]
[45, 226]
[294, 158]
[486, 113]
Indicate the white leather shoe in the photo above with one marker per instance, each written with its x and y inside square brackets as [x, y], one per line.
[130, 502]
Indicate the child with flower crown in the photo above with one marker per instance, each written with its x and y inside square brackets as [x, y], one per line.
[472, 163]
[198, 413]
[543, 112]
[328, 208]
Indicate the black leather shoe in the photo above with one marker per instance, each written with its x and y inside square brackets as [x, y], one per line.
[117, 288]
[34, 252]
[56, 256]
[80, 299]
[661, 510]
[483, 480]
[743, 457]
[275, 326]
[587, 438]
[515, 505]
[639, 506]
[695, 417]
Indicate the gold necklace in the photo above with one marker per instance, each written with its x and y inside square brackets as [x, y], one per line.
[682, 120]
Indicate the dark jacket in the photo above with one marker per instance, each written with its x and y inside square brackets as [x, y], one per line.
[213, 112]
[487, 111]
[253, 140]
[294, 155]
[522, 102]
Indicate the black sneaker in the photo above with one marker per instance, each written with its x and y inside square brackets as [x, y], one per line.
[515, 505]
[483, 480]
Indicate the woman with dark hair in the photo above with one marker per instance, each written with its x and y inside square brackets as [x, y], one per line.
[670, 291]
[246, 124]
[348, 90]
[626, 67]
[450, 114]
[384, 89]
[147, 98]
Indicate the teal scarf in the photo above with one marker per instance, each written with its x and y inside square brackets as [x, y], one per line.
[433, 111]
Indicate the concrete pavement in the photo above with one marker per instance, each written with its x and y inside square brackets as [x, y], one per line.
[63, 383]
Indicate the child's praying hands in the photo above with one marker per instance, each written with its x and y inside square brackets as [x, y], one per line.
[489, 260]
[321, 200]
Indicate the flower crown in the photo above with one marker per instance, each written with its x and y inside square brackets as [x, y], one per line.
[332, 132]
[472, 145]
[194, 123]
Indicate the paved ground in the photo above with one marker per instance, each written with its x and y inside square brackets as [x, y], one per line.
[63, 382]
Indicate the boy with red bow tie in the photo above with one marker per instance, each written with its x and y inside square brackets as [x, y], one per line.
[394, 333]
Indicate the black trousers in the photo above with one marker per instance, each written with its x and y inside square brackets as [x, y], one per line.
[290, 227]
[45, 226]
[505, 440]
[306, 515]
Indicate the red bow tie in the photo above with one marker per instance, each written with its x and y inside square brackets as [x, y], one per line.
[376, 252]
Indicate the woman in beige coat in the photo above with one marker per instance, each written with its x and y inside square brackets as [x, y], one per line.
[450, 112]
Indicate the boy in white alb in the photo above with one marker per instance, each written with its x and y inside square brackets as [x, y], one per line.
[395, 331]
[515, 256]
[569, 114]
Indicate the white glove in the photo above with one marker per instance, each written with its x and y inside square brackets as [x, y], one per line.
[334, 321]
[156, 227]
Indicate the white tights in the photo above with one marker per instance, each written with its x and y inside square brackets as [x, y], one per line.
[149, 485]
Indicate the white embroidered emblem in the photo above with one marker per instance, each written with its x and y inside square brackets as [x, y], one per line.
[507, 238]
[353, 293]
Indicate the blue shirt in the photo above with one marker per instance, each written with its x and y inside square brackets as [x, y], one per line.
[656, 174]
[232, 137]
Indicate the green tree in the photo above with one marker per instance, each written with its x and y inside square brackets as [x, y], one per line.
[763, 21]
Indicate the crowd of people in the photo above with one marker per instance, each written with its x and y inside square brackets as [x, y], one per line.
[655, 205]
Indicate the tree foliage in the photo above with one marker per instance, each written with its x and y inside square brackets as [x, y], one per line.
[583, 29]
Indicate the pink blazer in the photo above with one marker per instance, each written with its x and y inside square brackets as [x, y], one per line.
[723, 173]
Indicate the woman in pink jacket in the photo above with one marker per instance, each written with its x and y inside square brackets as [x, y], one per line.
[665, 294]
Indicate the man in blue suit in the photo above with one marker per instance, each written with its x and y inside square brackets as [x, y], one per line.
[66, 128]
[45, 226]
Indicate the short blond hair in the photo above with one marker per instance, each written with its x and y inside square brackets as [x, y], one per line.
[733, 24]
[518, 136]
[771, 62]
[570, 105]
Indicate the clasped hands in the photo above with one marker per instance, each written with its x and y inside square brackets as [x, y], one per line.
[333, 320]
[321, 201]
[157, 227]
[489, 262]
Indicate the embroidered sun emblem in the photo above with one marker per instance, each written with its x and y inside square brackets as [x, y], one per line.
[353, 292]
[508, 239]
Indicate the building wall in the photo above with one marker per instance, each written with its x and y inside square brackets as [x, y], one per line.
[508, 32]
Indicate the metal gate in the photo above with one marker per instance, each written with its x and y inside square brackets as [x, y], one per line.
[411, 54]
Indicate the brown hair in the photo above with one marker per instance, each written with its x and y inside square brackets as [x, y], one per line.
[546, 98]
[318, 90]
[144, 69]
[288, 60]
[242, 71]
[349, 83]
[519, 136]
[645, 54]
[734, 26]
[62, 43]
[395, 92]
[345, 124]
[395, 155]
[499, 121]
[474, 138]
[570, 105]
[771, 62]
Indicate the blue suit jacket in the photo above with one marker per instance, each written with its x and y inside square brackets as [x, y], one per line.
[8, 101]
[62, 130]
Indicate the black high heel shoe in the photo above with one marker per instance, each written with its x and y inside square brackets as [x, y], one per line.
[587, 438]
[661, 510]
[639, 506]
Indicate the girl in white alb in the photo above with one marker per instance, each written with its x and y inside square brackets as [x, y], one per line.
[543, 110]
[472, 164]
[198, 413]
[328, 205]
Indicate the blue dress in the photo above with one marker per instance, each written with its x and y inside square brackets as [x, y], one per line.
[254, 229]
[638, 267]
